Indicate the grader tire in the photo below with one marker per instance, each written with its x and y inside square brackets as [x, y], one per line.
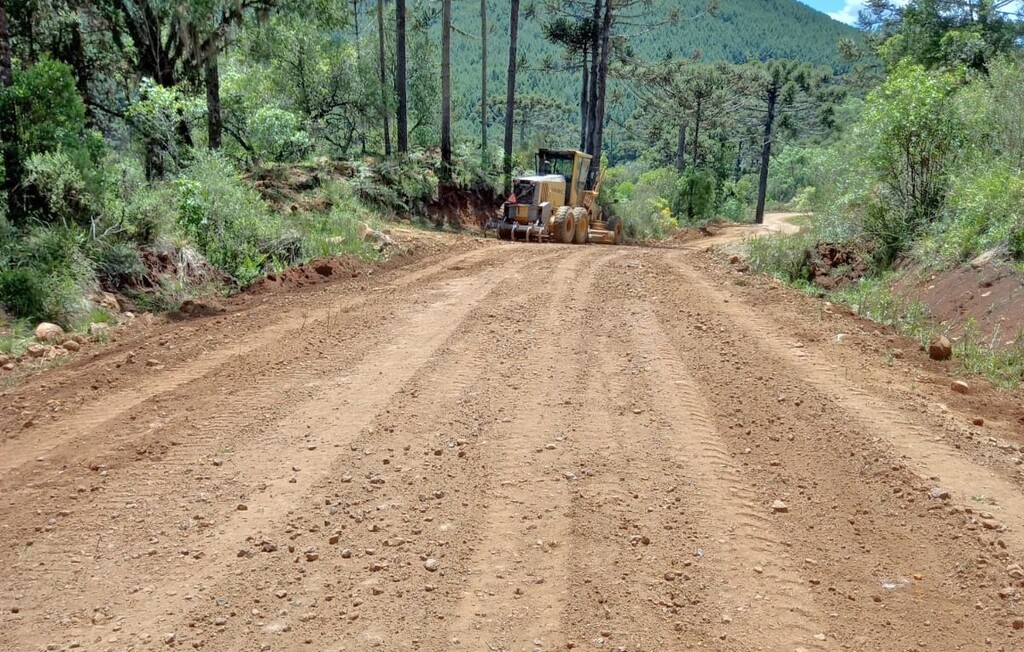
[582, 226]
[563, 225]
[618, 234]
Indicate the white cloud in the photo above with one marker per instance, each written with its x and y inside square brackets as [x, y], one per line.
[848, 14]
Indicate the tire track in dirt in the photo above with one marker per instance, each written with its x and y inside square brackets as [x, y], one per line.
[933, 461]
[891, 567]
[518, 586]
[80, 421]
[759, 593]
[391, 499]
[411, 347]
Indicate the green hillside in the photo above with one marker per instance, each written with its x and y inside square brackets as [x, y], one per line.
[741, 30]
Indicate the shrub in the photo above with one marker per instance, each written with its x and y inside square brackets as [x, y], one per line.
[916, 134]
[786, 257]
[22, 293]
[694, 196]
[229, 221]
[277, 135]
[58, 185]
[118, 264]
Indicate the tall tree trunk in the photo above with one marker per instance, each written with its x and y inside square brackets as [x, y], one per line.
[446, 89]
[584, 103]
[214, 123]
[483, 82]
[401, 82]
[510, 93]
[9, 128]
[766, 153]
[602, 88]
[738, 166]
[359, 60]
[681, 148]
[696, 131]
[382, 69]
[595, 63]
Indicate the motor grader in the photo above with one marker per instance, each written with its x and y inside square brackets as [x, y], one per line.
[556, 204]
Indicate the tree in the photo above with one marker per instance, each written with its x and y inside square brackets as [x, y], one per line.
[510, 94]
[9, 126]
[483, 82]
[401, 77]
[382, 71]
[446, 89]
[788, 95]
[943, 33]
[575, 35]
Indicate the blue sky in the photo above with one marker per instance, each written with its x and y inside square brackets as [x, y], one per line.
[843, 10]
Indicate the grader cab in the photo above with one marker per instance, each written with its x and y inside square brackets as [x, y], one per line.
[557, 204]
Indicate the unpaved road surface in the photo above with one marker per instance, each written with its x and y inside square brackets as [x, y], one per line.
[513, 447]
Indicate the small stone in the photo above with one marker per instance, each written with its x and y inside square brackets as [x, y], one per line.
[333, 539]
[432, 565]
[1018, 623]
[218, 462]
[758, 570]
[169, 638]
[1007, 593]
[940, 348]
[779, 507]
[281, 594]
[242, 507]
[960, 387]
[938, 493]
[37, 350]
[312, 555]
[978, 421]
[152, 363]
[47, 332]
[71, 345]
[346, 553]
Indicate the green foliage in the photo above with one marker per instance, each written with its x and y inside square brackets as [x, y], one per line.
[51, 114]
[401, 186]
[229, 222]
[916, 135]
[694, 196]
[786, 257]
[276, 135]
[985, 210]
[53, 178]
[51, 276]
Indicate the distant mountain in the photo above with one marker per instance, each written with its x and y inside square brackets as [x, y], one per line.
[741, 30]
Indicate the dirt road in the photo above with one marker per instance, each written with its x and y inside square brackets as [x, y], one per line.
[515, 447]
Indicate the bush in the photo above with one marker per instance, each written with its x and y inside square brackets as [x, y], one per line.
[694, 196]
[228, 220]
[118, 264]
[59, 187]
[22, 293]
[786, 257]
[916, 134]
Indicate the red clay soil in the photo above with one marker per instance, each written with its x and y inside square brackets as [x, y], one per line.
[464, 207]
[992, 295]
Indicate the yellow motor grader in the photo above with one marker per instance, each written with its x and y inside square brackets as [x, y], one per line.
[555, 205]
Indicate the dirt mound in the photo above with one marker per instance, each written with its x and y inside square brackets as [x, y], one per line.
[315, 272]
[991, 297]
[834, 265]
[460, 207]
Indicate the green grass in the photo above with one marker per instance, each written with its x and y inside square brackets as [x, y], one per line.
[16, 337]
